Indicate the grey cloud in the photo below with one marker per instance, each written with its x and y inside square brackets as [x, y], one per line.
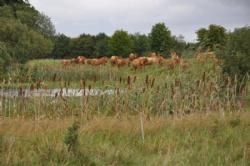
[181, 16]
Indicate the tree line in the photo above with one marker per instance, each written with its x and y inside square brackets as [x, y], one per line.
[120, 43]
[26, 34]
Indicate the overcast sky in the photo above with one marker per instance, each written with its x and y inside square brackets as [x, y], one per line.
[73, 17]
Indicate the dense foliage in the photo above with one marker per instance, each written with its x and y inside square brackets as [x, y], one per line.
[160, 38]
[25, 33]
[212, 38]
[237, 52]
[121, 43]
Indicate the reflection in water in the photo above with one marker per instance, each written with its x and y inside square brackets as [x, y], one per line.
[54, 92]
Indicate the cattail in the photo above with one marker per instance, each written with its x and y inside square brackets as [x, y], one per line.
[134, 79]
[32, 87]
[204, 77]
[54, 77]
[118, 91]
[38, 84]
[120, 79]
[152, 83]
[20, 91]
[172, 91]
[61, 92]
[147, 80]
[129, 80]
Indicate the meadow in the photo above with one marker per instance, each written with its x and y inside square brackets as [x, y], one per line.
[154, 116]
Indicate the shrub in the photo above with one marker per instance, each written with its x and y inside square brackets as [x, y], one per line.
[71, 137]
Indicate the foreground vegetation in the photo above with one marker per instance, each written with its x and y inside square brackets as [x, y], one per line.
[155, 90]
[155, 116]
[197, 139]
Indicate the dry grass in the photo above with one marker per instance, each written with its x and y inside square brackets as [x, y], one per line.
[191, 116]
[195, 139]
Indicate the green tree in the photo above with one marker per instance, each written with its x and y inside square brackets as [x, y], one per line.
[121, 43]
[237, 52]
[13, 4]
[23, 43]
[141, 43]
[101, 45]
[61, 46]
[45, 26]
[212, 38]
[83, 45]
[4, 59]
[160, 38]
[178, 44]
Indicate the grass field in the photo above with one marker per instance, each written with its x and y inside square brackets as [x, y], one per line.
[197, 139]
[156, 116]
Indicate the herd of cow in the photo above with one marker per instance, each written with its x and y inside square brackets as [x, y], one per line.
[133, 60]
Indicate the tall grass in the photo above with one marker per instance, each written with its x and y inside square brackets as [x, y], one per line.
[196, 139]
[155, 90]
[152, 116]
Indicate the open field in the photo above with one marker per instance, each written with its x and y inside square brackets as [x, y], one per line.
[197, 139]
[154, 116]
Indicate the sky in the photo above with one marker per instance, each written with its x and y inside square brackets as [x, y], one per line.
[74, 17]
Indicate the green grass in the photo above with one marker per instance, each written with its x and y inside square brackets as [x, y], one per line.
[53, 74]
[198, 139]
[192, 116]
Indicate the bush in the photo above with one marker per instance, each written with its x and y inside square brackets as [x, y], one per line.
[71, 137]
[237, 53]
[4, 59]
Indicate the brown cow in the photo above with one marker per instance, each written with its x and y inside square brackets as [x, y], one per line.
[66, 62]
[97, 62]
[103, 60]
[132, 56]
[175, 58]
[122, 62]
[139, 62]
[152, 54]
[113, 60]
[81, 59]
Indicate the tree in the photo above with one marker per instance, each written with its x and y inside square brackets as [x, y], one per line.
[45, 26]
[23, 43]
[13, 4]
[141, 43]
[212, 38]
[29, 16]
[237, 52]
[61, 46]
[120, 43]
[178, 44]
[160, 38]
[101, 45]
[83, 45]
[201, 35]
[4, 58]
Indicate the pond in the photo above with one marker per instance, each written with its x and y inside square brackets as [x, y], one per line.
[54, 92]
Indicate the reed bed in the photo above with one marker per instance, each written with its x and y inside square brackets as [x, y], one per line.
[155, 90]
[152, 116]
